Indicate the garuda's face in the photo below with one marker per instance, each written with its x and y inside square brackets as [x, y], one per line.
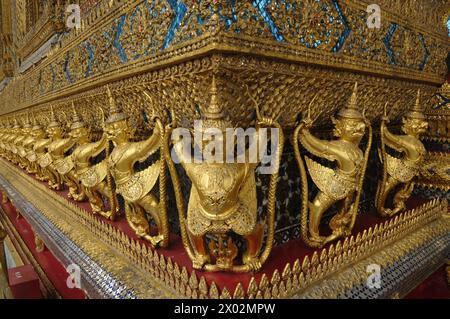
[350, 129]
[54, 131]
[38, 133]
[414, 126]
[117, 130]
[78, 133]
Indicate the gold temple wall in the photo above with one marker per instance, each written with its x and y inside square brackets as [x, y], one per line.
[246, 54]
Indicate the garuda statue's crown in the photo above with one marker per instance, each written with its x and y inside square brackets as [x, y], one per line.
[115, 113]
[351, 111]
[416, 111]
[16, 124]
[27, 121]
[53, 121]
[76, 121]
[36, 125]
[214, 116]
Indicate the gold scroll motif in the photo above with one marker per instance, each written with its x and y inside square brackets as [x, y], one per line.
[399, 172]
[341, 185]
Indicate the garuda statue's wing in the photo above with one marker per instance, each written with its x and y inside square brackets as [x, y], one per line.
[64, 165]
[140, 184]
[31, 156]
[94, 175]
[399, 169]
[45, 160]
[22, 152]
[328, 180]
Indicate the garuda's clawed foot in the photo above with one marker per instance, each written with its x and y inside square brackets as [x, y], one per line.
[107, 215]
[252, 262]
[317, 241]
[54, 186]
[154, 240]
[199, 261]
[338, 233]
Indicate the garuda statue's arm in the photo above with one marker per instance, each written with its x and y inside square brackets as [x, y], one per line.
[97, 147]
[147, 147]
[316, 146]
[63, 146]
[394, 141]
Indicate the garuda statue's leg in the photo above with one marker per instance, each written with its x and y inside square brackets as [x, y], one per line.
[400, 198]
[150, 204]
[317, 207]
[75, 190]
[391, 183]
[136, 218]
[96, 201]
[54, 179]
[341, 223]
[254, 244]
[200, 251]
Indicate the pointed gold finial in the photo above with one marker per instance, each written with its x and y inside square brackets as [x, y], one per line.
[416, 111]
[76, 121]
[36, 125]
[213, 116]
[53, 121]
[115, 113]
[16, 123]
[214, 110]
[27, 121]
[351, 110]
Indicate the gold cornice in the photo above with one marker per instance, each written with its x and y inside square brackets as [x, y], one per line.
[37, 39]
[209, 44]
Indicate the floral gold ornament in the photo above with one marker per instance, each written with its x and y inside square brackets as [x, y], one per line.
[401, 172]
[223, 199]
[136, 186]
[342, 185]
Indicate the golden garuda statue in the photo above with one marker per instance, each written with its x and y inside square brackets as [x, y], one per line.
[400, 171]
[63, 163]
[135, 187]
[16, 143]
[342, 185]
[9, 141]
[28, 140]
[3, 134]
[53, 150]
[223, 203]
[94, 177]
[37, 134]
[41, 157]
